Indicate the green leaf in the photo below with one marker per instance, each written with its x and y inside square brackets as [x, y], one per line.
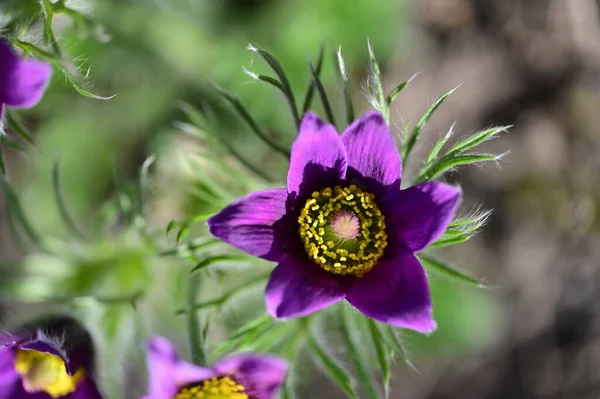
[416, 133]
[438, 146]
[223, 298]
[10, 143]
[341, 66]
[60, 199]
[79, 86]
[475, 139]
[271, 338]
[335, 371]
[382, 356]
[398, 89]
[311, 87]
[216, 259]
[446, 270]
[246, 117]
[471, 222]
[447, 240]
[172, 224]
[375, 86]
[187, 250]
[267, 79]
[13, 206]
[16, 125]
[321, 90]
[358, 361]
[278, 69]
[389, 334]
[182, 233]
[251, 329]
[205, 120]
[430, 172]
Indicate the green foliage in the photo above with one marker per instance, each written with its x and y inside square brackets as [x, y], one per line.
[337, 374]
[457, 155]
[112, 267]
[341, 67]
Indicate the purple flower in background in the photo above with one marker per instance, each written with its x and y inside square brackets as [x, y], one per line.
[53, 362]
[343, 228]
[236, 377]
[22, 81]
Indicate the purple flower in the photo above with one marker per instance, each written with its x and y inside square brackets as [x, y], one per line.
[236, 377]
[49, 363]
[22, 81]
[343, 228]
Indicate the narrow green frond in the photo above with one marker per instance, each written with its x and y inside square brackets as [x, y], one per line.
[60, 199]
[335, 372]
[445, 164]
[474, 140]
[278, 69]
[217, 259]
[438, 146]
[375, 86]
[14, 208]
[358, 362]
[442, 268]
[323, 96]
[416, 133]
[311, 87]
[398, 89]
[382, 356]
[247, 118]
[341, 66]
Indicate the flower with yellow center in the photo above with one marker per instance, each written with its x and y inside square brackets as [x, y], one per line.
[214, 388]
[245, 376]
[46, 372]
[343, 229]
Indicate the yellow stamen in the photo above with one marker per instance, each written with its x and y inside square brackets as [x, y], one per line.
[45, 372]
[343, 230]
[214, 388]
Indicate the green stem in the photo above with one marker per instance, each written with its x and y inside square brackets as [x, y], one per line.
[193, 323]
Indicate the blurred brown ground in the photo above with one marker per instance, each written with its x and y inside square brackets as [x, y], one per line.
[533, 64]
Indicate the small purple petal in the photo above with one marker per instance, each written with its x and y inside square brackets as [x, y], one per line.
[318, 157]
[167, 372]
[251, 223]
[300, 288]
[262, 375]
[395, 291]
[420, 214]
[372, 152]
[22, 81]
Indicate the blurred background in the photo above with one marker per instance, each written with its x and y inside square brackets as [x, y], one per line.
[534, 64]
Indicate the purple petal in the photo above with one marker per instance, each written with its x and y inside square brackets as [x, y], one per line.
[252, 223]
[372, 151]
[395, 291]
[300, 288]
[318, 157]
[9, 378]
[420, 214]
[22, 81]
[264, 375]
[167, 372]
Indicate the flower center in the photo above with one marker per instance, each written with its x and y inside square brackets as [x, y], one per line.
[215, 388]
[45, 372]
[343, 230]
